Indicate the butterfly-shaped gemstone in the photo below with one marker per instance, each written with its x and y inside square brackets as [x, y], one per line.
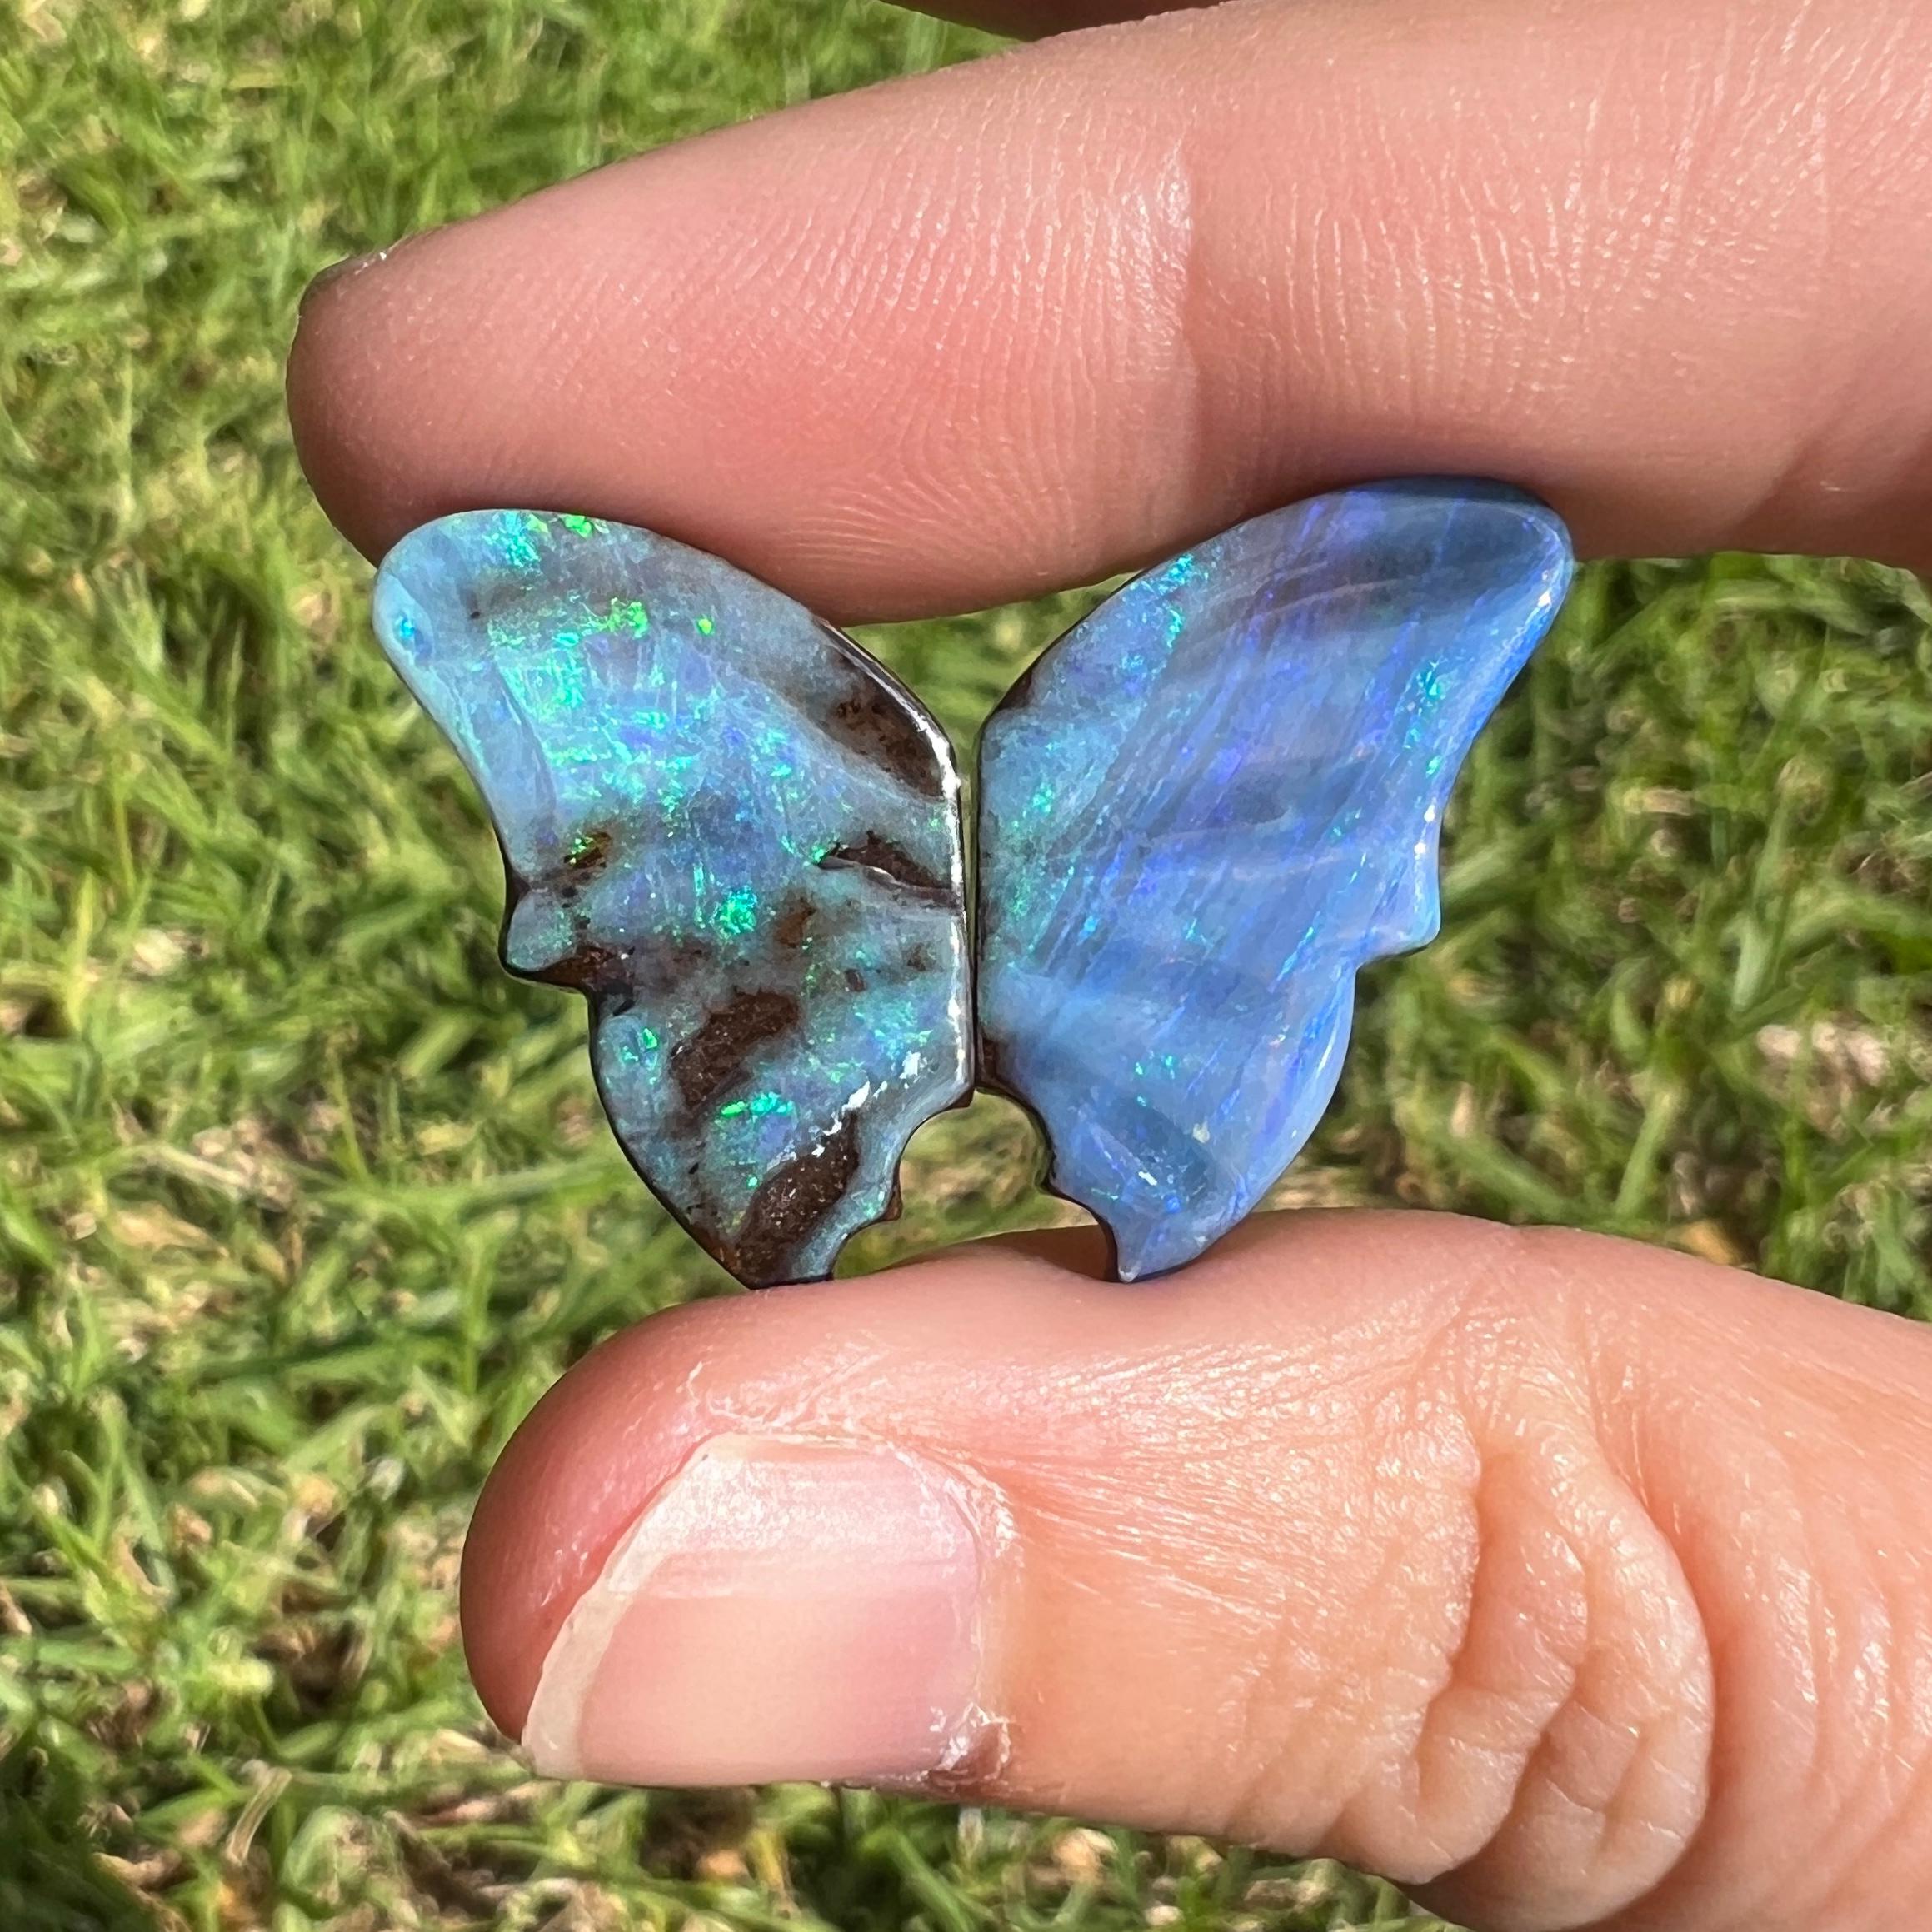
[735, 833]
[1210, 802]
[1202, 810]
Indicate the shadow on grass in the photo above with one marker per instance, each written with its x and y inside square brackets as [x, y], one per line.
[52, 1879]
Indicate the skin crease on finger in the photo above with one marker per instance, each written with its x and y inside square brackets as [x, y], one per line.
[1019, 323]
[1574, 1582]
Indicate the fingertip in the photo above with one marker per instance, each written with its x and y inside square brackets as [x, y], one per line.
[382, 434]
[898, 1360]
[576, 1474]
[329, 411]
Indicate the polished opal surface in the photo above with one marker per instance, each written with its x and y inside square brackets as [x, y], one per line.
[735, 833]
[1207, 806]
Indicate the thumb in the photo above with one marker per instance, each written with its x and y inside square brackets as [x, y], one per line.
[1572, 1582]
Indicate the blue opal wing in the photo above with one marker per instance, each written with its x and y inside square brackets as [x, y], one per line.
[735, 833]
[1210, 803]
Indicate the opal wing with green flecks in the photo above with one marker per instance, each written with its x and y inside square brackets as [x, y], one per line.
[735, 833]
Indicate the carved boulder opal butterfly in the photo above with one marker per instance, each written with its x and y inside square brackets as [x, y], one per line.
[1210, 802]
[735, 833]
[1200, 813]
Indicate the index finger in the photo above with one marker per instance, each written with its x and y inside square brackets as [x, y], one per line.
[1018, 324]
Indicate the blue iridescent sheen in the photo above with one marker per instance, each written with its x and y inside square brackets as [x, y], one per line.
[735, 833]
[1207, 806]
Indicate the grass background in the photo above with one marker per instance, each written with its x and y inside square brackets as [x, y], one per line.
[303, 1202]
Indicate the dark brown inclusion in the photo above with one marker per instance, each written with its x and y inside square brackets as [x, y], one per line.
[872, 719]
[788, 929]
[880, 855]
[715, 1056]
[589, 853]
[600, 971]
[791, 1201]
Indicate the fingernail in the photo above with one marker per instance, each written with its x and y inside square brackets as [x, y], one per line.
[779, 1611]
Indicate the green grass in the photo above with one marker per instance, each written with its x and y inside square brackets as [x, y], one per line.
[303, 1202]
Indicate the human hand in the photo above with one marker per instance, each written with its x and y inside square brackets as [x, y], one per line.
[1572, 1582]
